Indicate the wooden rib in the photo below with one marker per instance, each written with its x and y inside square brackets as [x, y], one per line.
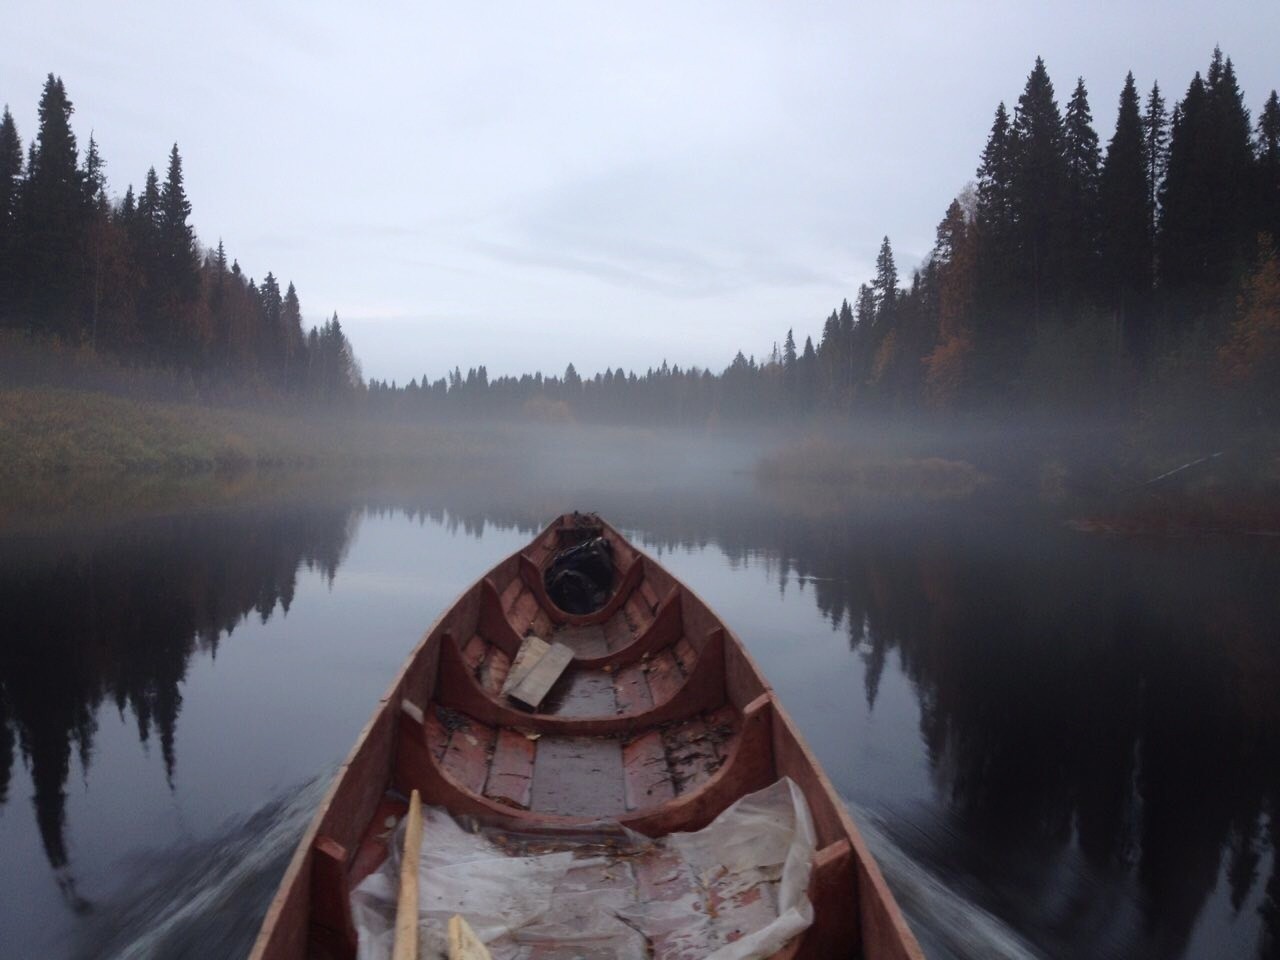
[491, 619]
[406, 942]
[663, 630]
[830, 882]
[330, 903]
[650, 598]
[459, 690]
[509, 593]
[531, 574]
[748, 767]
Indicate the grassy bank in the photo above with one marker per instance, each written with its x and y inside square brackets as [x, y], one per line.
[48, 433]
[1096, 482]
[857, 473]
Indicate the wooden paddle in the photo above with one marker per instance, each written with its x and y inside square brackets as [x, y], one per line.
[463, 942]
[406, 943]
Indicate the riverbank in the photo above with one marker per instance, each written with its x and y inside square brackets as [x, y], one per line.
[66, 448]
[1097, 482]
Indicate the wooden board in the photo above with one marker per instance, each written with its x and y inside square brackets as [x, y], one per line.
[532, 649]
[463, 942]
[406, 943]
[531, 689]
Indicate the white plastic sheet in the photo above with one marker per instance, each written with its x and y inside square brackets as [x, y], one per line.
[735, 890]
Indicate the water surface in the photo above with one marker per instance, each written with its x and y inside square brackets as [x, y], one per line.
[1057, 745]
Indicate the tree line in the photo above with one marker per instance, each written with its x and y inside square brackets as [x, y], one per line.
[128, 277]
[1068, 275]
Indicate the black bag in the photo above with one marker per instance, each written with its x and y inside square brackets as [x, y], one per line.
[580, 577]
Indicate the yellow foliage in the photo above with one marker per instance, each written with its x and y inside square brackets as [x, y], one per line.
[945, 368]
[884, 356]
[1252, 354]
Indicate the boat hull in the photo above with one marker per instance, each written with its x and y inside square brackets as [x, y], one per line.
[683, 696]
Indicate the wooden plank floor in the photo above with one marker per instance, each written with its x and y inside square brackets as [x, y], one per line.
[581, 776]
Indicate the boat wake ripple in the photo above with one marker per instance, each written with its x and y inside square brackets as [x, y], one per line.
[207, 899]
[946, 923]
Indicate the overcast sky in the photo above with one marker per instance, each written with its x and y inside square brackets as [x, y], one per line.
[532, 184]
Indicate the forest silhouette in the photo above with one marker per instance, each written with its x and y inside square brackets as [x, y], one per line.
[1137, 279]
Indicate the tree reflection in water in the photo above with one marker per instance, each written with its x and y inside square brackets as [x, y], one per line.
[116, 618]
[1108, 700]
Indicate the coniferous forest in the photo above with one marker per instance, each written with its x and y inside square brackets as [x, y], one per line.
[128, 277]
[1124, 268]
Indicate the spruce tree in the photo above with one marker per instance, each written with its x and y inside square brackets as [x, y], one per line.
[53, 216]
[1155, 126]
[1124, 198]
[10, 166]
[291, 331]
[99, 239]
[1080, 146]
[271, 306]
[143, 232]
[996, 220]
[1267, 158]
[128, 209]
[1039, 189]
[177, 241]
[885, 284]
[1182, 201]
[95, 181]
[1232, 145]
[10, 185]
[1205, 220]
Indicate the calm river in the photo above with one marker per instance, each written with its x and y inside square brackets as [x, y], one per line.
[1058, 745]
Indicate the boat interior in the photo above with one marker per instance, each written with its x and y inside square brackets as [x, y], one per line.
[659, 723]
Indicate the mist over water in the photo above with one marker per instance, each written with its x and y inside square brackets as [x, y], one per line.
[1057, 745]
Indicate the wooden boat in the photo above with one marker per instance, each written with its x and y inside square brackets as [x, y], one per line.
[660, 722]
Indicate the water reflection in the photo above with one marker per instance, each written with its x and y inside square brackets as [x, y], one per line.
[116, 618]
[1099, 718]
